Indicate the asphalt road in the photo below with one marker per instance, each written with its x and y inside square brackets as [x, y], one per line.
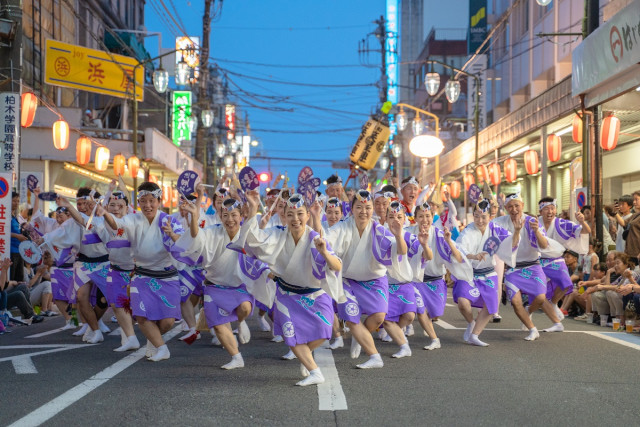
[585, 376]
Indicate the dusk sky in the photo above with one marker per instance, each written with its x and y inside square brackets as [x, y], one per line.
[307, 43]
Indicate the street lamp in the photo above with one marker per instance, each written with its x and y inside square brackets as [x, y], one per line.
[452, 90]
[543, 2]
[432, 81]
[426, 146]
[401, 120]
[396, 150]
[221, 150]
[384, 162]
[207, 118]
[161, 80]
[182, 72]
[417, 126]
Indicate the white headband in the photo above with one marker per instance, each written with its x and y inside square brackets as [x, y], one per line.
[333, 184]
[413, 181]
[510, 197]
[545, 204]
[155, 193]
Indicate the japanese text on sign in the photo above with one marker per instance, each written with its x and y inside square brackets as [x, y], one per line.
[9, 119]
[92, 70]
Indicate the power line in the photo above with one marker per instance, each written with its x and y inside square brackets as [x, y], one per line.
[327, 28]
[262, 64]
[300, 83]
[308, 131]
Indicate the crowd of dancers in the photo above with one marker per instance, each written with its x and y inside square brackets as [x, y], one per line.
[370, 262]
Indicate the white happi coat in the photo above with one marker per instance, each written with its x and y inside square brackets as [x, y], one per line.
[226, 267]
[569, 236]
[471, 241]
[149, 244]
[298, 264]
[442, 260]
[360, 257]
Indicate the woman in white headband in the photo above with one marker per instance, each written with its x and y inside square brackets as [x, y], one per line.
[231, 277]
[479, 242]
[367, 250]
[307, 273]
[155, 288]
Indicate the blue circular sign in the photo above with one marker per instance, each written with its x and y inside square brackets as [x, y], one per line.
[4, 187]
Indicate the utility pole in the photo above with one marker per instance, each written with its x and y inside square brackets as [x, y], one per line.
[363, 49]
[203, 98]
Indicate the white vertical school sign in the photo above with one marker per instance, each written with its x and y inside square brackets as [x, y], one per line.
[9, 128]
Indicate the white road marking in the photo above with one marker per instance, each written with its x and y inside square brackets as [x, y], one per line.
[613, 339]
[330, 394]
[44, 334]
[68, 398]
[445, 325]
[23, 364]
[450, 305]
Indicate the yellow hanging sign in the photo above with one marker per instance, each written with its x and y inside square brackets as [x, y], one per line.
[92, 70]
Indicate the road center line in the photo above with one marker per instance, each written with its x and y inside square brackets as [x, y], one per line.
[445, 325]
[330, 394]
[68, 398]
[44, 334]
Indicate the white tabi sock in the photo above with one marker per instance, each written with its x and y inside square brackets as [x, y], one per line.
[470, 327]
[277, 338]
[96, 337]
[474, 340]
[263, 324]
[405, 351]
[151, 349]
[162, 353]
[131, 343]
[559, 312]
[88, 334]
[355, 348]
[557, 327]
[533, 335]
[304, 371]
[289, 356]
[435, 344]
[244, 334]
[408, 330]
[236, 362]
[375, 361]
[337, 343]
[80, 332]
[103, 328]
[315, 377]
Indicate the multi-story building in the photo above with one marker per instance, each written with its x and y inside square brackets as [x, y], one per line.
[529, 96]
[115, 26]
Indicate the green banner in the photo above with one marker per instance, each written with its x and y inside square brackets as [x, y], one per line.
[181, 113]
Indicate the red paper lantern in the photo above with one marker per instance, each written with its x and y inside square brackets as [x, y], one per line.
[83, 150]
[531, 162]
[166, 195]
[28, 107]
[102, 158]
[468, 180]
[455, 189]
[554, 147]
[153, 178]
[443, 189]
[118, 164]
[133, 164]
[60, 134]
[577, 129]
[510, 170]
[494, 174]
[482, 173]
[610, 133]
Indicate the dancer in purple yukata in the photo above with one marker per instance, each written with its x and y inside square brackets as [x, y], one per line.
[525, 276]
[307, 274]
[479, 242]
[367, 250]
[564, 235]
[155, 288]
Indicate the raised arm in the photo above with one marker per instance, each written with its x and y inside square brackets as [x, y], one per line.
[454, 249]
[62, 201]
[333, 262]
[396, 229]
